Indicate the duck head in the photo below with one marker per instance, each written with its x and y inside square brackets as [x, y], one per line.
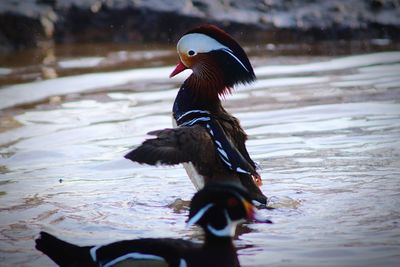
[218, 62]
[219, 208]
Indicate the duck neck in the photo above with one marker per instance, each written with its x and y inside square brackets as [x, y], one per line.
[191, 97]
[208, 79]
[221, 246]
[212, 240]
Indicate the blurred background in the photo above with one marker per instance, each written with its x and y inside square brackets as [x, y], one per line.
[43, 32]
[83, 81]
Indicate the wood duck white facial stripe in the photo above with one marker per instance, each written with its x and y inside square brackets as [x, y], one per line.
[228, 230]
[182, 263]
[93, 251]
[199, 214]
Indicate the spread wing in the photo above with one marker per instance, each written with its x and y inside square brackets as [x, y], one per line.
[174, 146]
[206, 145]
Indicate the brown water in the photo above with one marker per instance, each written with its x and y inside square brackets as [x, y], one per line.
[325, 129]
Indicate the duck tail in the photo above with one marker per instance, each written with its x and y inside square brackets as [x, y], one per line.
[63, 253]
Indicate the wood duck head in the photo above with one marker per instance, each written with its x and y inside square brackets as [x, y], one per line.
[219, 208]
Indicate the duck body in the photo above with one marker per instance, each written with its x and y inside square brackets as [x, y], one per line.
[155, 252]
[208, 140]
[227, 157]
[216, 208]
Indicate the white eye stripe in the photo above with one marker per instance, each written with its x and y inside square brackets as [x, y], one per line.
[199, 43]
[194, 43]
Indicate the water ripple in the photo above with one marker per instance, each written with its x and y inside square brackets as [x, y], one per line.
[325, 134]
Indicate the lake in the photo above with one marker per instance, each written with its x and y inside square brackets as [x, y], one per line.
[323, 124]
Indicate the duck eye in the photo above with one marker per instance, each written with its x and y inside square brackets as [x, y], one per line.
[191, 53]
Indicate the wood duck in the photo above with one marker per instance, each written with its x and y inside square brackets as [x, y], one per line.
[217, 209]
[209, 141]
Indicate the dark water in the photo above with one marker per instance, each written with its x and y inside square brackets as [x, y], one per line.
[325, 129]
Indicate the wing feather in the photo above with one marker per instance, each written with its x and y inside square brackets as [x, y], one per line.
[173, 146]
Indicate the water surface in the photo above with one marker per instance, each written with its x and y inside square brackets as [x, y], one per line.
[325, 130]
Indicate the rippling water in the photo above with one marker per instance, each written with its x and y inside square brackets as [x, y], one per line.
[325, 131]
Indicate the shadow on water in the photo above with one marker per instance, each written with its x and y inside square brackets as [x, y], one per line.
[324, 128]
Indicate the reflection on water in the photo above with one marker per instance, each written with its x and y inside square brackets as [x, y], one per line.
[324, 130]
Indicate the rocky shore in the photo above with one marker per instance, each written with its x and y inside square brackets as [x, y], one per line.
[33, 23]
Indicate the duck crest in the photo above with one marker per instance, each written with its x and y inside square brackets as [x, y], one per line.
[223, 68]
[225, 39]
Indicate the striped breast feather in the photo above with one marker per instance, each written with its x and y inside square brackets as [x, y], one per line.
[192, 117]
